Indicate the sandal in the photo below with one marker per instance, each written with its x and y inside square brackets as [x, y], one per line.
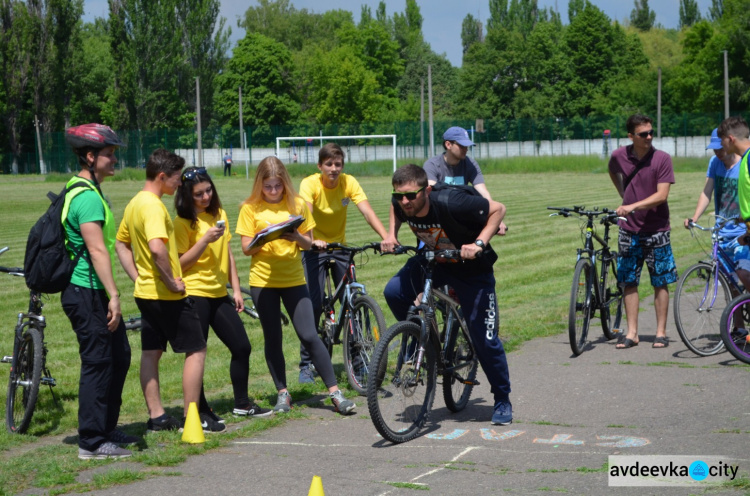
[661, 340]
[626, 343]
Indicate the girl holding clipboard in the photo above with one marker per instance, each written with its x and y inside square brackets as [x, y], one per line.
[276, 275]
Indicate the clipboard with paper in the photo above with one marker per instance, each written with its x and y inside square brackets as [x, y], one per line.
[274, 231]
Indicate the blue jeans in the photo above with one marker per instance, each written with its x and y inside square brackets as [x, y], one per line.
[479, 303]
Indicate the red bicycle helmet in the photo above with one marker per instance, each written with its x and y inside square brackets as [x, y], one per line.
[93, 135]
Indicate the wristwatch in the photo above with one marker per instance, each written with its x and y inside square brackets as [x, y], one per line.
[480, 244]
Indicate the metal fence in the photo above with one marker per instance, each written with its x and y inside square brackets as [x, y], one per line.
[681, 134]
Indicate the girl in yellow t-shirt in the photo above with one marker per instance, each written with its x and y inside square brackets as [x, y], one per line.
[202, 238]
[276, 275]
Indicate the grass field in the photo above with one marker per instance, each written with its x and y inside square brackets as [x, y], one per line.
[533, 284]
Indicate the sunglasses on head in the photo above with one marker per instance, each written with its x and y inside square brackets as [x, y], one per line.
[645, 134]
[410, 195]
[192, 173]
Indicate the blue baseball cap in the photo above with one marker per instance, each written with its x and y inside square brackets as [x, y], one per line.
[715, 143]
[459, 135]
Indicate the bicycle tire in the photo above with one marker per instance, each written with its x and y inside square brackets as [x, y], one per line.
[133, 324]
[461, 364]
[399, 397]
[611, 309]
[23, 384]
[579, 315]
[365, 322]
[738, 343]
[697, 315]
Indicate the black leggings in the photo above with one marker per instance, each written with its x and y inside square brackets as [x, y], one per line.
[221, 315]
[298, 306]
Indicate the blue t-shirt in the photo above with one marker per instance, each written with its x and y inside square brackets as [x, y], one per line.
[726, 201]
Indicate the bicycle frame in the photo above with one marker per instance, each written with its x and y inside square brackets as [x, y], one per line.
[720, 260]
[347, 288]
[593, 254]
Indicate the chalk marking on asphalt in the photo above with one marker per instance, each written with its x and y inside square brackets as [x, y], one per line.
[415, 479]
[559, 439]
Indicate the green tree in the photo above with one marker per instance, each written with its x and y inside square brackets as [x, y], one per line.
[471, 32]
[263, 68]
[689, 13]
[94, 63]
[574, 7]
[15, 69]
[716, 10]
[642, 17]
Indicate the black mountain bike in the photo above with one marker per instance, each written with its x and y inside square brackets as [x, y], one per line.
[28, 364]
[591, 292]
[359, 317]
[433, 340]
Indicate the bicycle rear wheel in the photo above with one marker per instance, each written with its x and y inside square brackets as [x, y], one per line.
[399, 396]
[579, 316]
[23, 384]
[365, 323]
[699, 301]
[611, 309]
[461, 364]
[734, 333]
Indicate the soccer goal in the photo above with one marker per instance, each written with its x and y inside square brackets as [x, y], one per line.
[321, 139]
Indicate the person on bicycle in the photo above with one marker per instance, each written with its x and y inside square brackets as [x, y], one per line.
[202, 236]
[148, 252]
[721, 183]
[91, 300]
[643, 176]
[328, 194]
[276, 275]
[473, 280]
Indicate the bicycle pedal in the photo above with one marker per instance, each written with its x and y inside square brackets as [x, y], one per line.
[471, 383]
[48, 381]
[6, 359]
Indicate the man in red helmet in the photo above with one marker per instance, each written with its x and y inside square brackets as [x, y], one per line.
[91, 300]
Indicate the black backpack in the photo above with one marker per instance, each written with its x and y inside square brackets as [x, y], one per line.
[47, 265]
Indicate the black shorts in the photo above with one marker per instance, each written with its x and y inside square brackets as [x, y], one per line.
[173, 321]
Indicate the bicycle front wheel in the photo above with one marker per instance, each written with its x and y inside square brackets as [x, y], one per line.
[23, 384]
[611, 309]
[461, 364]
[400, 395]
[362, 331]
[734, 324]
[699, 301]
[579, 315]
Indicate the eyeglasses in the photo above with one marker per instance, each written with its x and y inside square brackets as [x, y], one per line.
[645, 134]
[410, 195]
[192, 173]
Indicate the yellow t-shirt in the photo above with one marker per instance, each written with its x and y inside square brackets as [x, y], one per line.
[329, 205]
[146, 218]
[209, 274]
[278, 264]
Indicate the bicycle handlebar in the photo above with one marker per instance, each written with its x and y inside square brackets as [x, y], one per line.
[715, 228]
[354, 249]
[610, 216]
[13, 271]
[428, 254]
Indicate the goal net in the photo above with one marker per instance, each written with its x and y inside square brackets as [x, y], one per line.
[302, 145]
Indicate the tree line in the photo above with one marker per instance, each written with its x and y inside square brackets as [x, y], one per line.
[136, 69]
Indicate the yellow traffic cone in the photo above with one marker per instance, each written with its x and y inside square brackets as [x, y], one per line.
[316, 488]
[192, 431]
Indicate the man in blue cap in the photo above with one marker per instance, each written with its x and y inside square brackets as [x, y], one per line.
[722, 182]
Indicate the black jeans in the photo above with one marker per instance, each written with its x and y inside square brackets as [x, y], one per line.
[105, 360]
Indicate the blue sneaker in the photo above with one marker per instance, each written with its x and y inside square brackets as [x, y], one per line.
[306, 375]
[503, 413]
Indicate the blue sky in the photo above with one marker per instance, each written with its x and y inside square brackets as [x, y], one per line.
[442, 18]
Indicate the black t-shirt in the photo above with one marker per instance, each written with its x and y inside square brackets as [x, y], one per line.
[472, 212]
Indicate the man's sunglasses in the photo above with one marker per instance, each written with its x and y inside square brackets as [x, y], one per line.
[194, 172]
[410, 195]
[645, 134]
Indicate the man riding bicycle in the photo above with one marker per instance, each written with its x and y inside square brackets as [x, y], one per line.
[473, 279]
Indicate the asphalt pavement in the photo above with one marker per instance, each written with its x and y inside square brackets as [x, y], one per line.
[571, 414]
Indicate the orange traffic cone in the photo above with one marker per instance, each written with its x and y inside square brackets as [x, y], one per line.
[316, 488]
[192, 431]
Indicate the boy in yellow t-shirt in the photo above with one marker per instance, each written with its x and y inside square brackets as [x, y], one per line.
[328, 194]
[148, 253]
